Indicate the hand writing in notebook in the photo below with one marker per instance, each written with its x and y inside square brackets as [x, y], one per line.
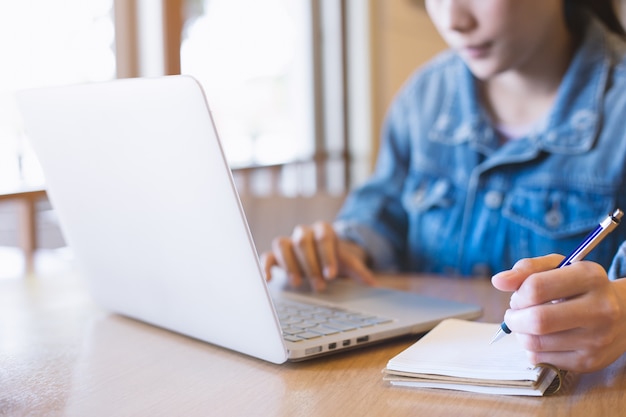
[584, 330]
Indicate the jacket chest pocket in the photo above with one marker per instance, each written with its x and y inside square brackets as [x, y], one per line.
[429, 194]
[434, 219]
[557, 213]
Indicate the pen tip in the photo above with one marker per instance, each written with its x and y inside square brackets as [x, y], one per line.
[497, 336]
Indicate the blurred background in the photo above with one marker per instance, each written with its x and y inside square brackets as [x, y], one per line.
[298, 90]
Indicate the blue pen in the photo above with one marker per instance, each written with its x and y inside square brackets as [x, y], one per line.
[600, 232]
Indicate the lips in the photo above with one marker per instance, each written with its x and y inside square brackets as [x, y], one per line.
[476, 51]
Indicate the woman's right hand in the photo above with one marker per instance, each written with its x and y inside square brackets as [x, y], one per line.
[316, 254]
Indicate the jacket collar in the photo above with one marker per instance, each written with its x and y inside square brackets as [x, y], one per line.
[573, 122]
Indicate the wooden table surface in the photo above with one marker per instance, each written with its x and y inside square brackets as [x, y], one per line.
[62, 355]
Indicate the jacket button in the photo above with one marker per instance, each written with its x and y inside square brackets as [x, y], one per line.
[553, 218]
[493, 199]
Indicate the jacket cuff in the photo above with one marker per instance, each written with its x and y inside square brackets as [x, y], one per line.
[618, 265]
[379, 252]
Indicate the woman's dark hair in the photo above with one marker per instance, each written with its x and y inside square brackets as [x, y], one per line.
[602, 9]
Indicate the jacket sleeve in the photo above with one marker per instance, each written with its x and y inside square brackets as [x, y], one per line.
[618, 266]
[373, 215]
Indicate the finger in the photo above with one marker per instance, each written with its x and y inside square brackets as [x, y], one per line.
[566, 361]
[575, 360]
[512, 279]
[552, 317]
[565, 341]
[268, 260]
[579, 349]
[355, 269]
[559, 284]
[286, 259]
[305, 250]
[539, 320]
[327, 248]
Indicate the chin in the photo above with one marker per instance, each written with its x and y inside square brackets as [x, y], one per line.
[483, 71]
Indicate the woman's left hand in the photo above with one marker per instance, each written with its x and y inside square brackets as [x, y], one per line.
[572, 317]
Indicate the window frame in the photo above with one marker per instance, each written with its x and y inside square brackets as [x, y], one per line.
[332, 156]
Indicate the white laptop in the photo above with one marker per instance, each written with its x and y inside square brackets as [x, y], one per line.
[136, 174]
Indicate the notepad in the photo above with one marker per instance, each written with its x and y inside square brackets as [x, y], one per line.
[457, 355]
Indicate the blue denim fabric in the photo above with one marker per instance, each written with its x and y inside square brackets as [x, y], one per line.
[618, 267]
[447, 197]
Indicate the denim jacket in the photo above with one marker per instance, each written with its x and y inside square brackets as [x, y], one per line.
[447, 197]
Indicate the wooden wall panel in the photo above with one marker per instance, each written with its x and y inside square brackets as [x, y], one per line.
[402, 39]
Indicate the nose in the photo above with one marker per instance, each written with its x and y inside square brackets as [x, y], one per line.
[456, 15]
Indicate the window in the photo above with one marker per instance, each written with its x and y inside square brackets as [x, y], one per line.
[275, 76]
[253, 59]
[272, 70]
[47, 42]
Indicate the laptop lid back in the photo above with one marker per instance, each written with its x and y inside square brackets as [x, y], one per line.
[145, 199]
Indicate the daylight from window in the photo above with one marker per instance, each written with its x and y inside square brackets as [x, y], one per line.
[253, 59]
[43, 43]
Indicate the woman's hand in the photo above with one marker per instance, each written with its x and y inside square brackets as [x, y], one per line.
[316, 254]
[571, 317]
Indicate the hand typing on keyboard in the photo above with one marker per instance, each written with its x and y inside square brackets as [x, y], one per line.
[315, 253]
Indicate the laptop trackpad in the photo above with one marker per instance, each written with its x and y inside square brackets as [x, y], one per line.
[383, 301]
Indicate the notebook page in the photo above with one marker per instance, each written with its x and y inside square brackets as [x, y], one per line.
[461, 348]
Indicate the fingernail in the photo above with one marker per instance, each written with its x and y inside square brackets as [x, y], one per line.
[508, 274]
[329, 272]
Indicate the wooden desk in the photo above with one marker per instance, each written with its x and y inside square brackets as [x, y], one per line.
[61, 355]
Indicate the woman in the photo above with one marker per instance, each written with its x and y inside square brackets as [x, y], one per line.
[508, 146]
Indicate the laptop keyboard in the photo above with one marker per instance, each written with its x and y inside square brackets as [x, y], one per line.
[301, 321]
